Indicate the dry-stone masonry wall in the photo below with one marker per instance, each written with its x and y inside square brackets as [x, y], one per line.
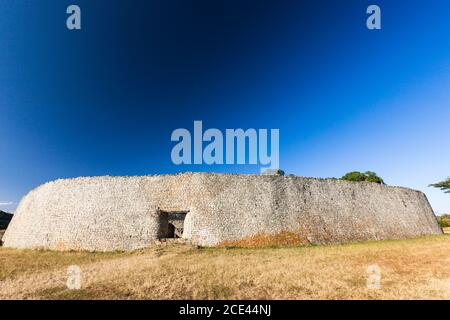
[124, 213]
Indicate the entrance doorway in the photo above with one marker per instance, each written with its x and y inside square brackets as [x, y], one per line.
[174, 221]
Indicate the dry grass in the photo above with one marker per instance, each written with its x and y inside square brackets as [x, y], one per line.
[411, 269]
[283, 239]
[22, 262]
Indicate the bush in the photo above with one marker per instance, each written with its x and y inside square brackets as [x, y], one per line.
[368, 176]
[444, 220]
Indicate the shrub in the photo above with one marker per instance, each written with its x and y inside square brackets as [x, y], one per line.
[444, 220]
[368, 176]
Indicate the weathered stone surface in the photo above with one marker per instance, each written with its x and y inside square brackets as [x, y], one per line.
[123, 213]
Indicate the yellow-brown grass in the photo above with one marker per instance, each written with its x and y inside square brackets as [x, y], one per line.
[410, 269]
[446, 230]
[282, 239]
[19, 262]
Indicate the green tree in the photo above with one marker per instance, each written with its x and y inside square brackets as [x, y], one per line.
[443, 185]
[444, 220]
[372, 177]
[359, 176]
[354, 176]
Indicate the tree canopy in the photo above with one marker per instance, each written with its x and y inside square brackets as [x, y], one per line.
[368, 176]
[443, 185]
[444, 220]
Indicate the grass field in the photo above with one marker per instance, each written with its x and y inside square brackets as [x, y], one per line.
[410, 269]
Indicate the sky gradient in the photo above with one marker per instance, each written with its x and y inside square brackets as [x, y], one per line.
[104, 100]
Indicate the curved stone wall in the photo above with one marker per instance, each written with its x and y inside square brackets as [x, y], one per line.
[123, 213]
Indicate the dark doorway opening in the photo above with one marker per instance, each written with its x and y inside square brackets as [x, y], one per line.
[175, 223]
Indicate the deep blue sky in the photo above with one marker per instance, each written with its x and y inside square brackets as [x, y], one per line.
[104, 100]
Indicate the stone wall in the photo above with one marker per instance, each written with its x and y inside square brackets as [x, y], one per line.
[123, 213]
